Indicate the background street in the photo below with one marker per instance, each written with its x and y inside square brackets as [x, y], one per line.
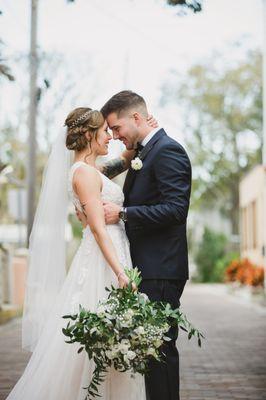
[230, 364]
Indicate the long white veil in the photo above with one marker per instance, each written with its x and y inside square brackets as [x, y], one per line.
[46, 264]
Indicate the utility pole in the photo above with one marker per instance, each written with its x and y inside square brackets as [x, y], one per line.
[31, 167]
[264, 125]
[126, 71]
[264, 83]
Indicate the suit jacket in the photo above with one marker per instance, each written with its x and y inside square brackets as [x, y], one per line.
[157, 200]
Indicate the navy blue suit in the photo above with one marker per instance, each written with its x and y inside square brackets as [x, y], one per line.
[157, 200]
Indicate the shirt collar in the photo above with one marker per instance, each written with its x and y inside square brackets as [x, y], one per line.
[149, 136]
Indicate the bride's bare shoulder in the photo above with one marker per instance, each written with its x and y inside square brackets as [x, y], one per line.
[85, 174]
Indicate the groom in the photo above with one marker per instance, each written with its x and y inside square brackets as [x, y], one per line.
[155, 213]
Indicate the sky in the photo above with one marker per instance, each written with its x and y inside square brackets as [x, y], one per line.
[123, 44]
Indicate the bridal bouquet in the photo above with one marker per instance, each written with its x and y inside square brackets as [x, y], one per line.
[126, 330]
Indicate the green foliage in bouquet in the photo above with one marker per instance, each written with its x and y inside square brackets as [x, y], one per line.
[125, 331]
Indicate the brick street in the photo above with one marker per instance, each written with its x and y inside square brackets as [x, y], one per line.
[230, 365]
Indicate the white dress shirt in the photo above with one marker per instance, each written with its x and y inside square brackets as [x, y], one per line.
[149, 136]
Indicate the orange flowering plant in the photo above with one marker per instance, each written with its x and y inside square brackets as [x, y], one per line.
[245, 272]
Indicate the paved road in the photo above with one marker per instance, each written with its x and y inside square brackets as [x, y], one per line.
[231, 364]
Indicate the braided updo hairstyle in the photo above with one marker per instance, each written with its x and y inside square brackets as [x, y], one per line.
[79, 122]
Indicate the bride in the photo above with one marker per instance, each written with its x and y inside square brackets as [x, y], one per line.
[55, 370]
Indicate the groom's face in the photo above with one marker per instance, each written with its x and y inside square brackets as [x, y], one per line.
[124, 128]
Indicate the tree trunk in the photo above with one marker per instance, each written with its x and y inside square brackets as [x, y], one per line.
[234, 212]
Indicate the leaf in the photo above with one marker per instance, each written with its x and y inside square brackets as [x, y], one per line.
[66, 332]
[183, 328]
[70, 341]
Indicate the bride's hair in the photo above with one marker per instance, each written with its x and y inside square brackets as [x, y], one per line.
[79, 122]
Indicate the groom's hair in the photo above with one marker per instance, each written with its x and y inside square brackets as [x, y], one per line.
[124, 101]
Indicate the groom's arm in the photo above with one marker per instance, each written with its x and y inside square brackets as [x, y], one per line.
[172, 171]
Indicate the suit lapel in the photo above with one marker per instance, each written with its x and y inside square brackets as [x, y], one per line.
[131, 175]
[128, 181]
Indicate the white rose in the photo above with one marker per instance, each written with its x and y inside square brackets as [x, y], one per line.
[125, 324]
[131, 355]
[94, 330]
[144, 296]
[158, 343]
[125, 342]
[151, 351]
[136, 164]
[123, 348]
[101, 311]
[110, 354]
[126, 359]
[139, 330]
[129, 314]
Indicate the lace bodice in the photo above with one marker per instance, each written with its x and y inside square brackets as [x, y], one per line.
[110, 190]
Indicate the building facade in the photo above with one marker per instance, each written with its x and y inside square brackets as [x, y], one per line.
[253, 215]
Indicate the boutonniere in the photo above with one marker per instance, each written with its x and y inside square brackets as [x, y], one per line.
[136, 164]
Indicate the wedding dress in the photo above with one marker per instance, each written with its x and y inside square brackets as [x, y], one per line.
[55, 370]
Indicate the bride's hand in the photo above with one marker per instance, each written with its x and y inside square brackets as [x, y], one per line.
[123, 281]
[81, 217]
[152, 121]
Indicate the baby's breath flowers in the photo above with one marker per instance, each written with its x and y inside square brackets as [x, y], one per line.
[125, 331]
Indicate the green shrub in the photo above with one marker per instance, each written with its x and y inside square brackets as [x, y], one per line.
[218, 274]
[76, 226]
[211, 249]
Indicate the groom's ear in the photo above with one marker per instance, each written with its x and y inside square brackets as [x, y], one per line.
[137, 118]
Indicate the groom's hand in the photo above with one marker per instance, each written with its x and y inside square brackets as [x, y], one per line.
[111, 212]
[81, 217]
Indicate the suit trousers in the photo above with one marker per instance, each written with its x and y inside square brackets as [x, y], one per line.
[162, 380]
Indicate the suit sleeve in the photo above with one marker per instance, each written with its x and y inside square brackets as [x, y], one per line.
[172, 171]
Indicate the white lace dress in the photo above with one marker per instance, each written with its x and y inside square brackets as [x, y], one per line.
[55, 370]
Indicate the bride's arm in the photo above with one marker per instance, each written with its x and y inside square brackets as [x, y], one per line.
[118, 165]
[87, 184]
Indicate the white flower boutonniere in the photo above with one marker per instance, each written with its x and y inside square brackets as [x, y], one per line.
[136, 164]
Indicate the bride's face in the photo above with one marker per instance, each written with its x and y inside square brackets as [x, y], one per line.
[101, 143]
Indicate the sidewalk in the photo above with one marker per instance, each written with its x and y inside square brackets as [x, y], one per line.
[232, 361]
[230, 365]
[12, 359]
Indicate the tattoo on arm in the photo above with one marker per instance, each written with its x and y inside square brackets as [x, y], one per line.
[83, 209]
[114, 167]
